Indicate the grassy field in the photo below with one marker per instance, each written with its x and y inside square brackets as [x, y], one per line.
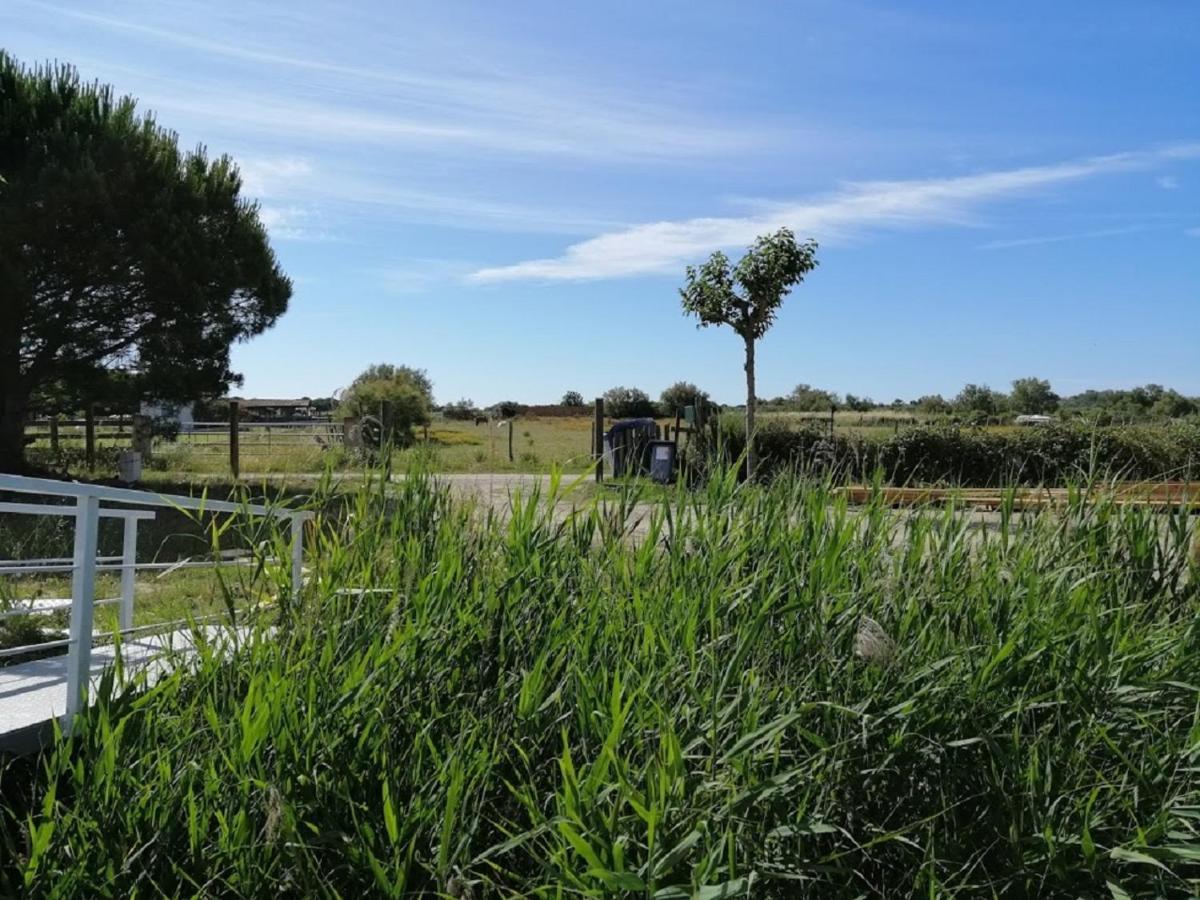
[539, 442]
[174, 597]
[768, 695]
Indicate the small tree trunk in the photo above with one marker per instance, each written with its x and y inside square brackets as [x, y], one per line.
[14, 405]
[750, 405]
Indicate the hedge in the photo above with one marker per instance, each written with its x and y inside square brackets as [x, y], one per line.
[972, 457]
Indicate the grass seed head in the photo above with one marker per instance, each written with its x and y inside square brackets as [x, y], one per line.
[872, 643]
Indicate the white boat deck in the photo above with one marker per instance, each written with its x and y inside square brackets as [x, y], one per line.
[34, 693]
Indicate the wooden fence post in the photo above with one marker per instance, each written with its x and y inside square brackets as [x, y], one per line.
[598, 430]
[54, 433]
[511, 419]
[89, 436]
[234, 459]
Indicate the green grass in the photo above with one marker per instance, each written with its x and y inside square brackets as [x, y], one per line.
[174, 597]
[540, 443]
[764, 693]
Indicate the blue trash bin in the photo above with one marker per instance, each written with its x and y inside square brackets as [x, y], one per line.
[662, 461]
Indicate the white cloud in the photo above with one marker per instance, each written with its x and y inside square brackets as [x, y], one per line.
[1167, 182]
[663, 246]
[540, 127]
[292, 223]
[1059, 238]
[270, 176]
[296, 193]
[416, 275]
[434, 100]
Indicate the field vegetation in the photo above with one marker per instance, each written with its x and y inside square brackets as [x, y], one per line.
[974, 457]
[764, 693]
[910, 447]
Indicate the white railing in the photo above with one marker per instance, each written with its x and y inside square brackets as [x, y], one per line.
[126, 562]
[84, 564]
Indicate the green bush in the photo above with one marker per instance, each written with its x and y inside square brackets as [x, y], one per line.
[971, 457]
[628, 403]
[399, 396]
[462, 411]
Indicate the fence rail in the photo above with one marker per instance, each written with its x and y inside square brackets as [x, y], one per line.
[84, 564]
[215, 435]
[231, 437]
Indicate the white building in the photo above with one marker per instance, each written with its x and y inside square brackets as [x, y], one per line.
[181, 414]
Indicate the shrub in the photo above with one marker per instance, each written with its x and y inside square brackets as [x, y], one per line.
[679, 395]
[624, 403]
[506, 409]
[464, 410]
[806, 398]
[946, 454]
[398, 395]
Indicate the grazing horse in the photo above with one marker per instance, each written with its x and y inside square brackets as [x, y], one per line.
[481, 420]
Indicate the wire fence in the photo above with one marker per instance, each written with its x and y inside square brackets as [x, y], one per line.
[215, 435]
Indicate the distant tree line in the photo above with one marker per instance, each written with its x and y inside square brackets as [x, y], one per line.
[1028, 396]
[973, 404]
[408, 394]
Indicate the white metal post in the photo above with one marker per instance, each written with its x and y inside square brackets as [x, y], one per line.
[297, 551]
[83, 594]
[128, 572]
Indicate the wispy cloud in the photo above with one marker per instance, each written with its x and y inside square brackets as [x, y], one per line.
[293, 223]
[435, 102]
[1167, 182]
[271, 176]
[1193, 232]
[1059, 238]
[417, 275]
[662, 246]
[298, 192]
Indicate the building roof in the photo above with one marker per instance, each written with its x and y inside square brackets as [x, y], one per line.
[264, 403]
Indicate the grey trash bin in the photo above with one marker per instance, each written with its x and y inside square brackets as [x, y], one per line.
[662, 461]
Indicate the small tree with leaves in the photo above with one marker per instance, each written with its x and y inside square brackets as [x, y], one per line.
[806, 398]
[980, 400]
[399, 396]
[1033, 396]
[625, 402]
[747, 297]
[679, 395]
[572, 398]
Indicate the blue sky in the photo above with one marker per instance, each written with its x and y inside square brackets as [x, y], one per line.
[507, 194]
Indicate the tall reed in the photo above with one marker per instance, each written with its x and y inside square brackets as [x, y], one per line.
[543, 702]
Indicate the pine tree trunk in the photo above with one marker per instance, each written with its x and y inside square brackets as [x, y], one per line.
[14, 404]
[15, 386]
[751, 460]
